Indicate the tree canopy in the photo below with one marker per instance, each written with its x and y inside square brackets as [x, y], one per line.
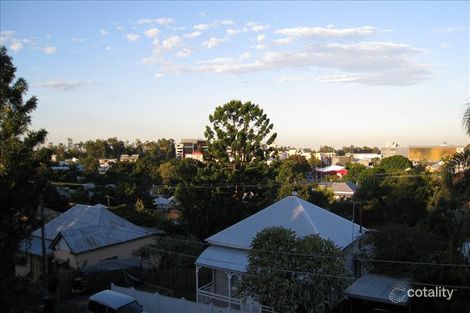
[20, 179]
[239, 133]
[292, 279]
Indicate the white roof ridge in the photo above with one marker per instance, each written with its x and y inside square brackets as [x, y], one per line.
[307, 216]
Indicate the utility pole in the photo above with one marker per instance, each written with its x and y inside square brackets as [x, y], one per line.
[43, 244]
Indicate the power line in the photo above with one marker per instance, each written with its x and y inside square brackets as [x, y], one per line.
[301, 272]
[329, 256]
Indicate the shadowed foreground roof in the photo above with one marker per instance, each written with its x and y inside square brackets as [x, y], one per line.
[85, 228]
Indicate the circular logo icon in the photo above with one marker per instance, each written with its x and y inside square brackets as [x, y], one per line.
[398, 292]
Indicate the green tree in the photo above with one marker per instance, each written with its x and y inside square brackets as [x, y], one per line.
[292, 279]
[355, 171]
[327, 149]
[235, 180]
[313, 162]
[168, 172]
[396, 162]
[20, 180]
[169, 257]
[293, 169]
[238, 134]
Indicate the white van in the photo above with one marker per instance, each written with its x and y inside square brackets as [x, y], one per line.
[108, 301]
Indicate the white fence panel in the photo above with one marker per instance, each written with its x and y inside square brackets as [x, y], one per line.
[157, 303]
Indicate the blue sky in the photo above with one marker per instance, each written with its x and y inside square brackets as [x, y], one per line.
[337, 73]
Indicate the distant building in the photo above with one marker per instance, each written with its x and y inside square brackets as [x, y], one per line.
[427, 153]
[337, 170]
[341, 159]
[191, 148]
[129, 158]
[389, 150]
[163, 204]
[367, 156]
[107, 161]
[340, 189]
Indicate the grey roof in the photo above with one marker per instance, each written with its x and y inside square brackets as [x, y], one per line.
[380, 288]
[341, 188]
[113, 265]
[293, 213]
[224, 258]
[34, 246]
[85, 228]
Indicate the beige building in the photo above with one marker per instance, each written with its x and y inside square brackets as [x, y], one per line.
[428, 153]
[85, 236]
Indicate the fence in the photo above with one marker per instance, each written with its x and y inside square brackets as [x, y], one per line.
[157, 303]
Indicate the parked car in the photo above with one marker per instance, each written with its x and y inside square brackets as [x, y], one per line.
[108, 301]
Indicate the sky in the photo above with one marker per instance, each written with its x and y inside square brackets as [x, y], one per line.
[325, 73]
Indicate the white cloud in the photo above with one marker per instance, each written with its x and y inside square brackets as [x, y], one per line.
[294, 78]
[202, 26]
[227, 22]
[245, 56]
[444, 45]
[193, 35]
[150, 60]
[256, 27]
[448, 30]
[206, 26]
[152, 32]
[108, 48]
[373, 63]
[260, 47]
[16, 46]
[159, 75]
[260, 38]
[104, 32]
[65, 85]
[154, 21]
[171, 42]
[79, 39]
[183, 53]
[283, 41]
[232, 31]
[5, 35]
[327, 32]
[132, 37]
[212, 42]
[50, 50]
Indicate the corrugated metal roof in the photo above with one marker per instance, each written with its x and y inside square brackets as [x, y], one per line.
[224, 258]
[34, 246]
[380, 288]
[85, 227]
[340, 187]
[292, 213]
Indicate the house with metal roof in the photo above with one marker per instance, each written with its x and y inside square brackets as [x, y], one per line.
[340, 189]
[227, 255]
[85, 235]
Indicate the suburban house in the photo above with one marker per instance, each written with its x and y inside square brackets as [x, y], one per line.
[340, 189]
[163, 204]
[84, 236]
[227, 256]
[337, 170]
